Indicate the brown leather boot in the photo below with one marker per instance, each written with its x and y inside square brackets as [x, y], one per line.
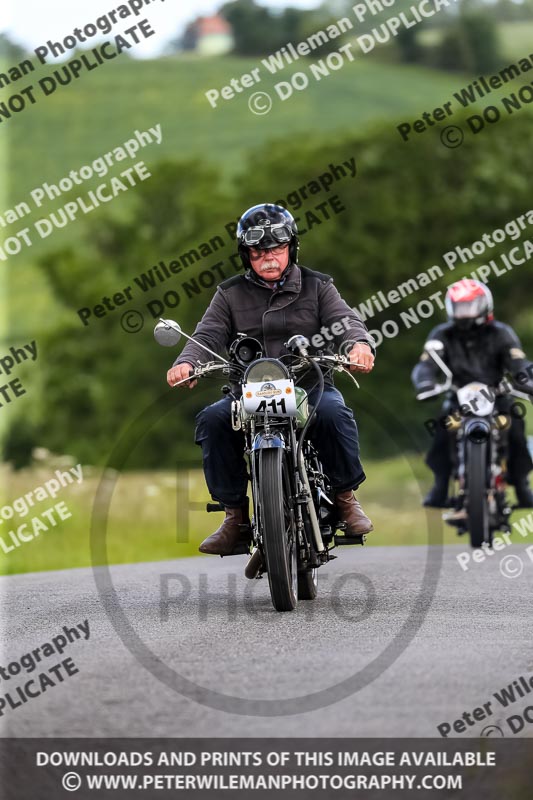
[224, 540]
[350, 512]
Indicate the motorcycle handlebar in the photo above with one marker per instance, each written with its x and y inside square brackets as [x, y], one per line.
[501, 390]
[336, 361]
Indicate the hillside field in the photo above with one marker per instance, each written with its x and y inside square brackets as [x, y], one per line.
[100, 110]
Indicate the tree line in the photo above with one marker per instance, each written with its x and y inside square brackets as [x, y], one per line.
[409, 204]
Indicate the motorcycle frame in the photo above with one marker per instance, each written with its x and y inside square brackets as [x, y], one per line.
[308, 532]
[498, 516]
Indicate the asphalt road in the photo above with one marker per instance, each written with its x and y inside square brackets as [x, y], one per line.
[364, 659]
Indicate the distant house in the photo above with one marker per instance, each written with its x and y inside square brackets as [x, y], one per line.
[209, 36]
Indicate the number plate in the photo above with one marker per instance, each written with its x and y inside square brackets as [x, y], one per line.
[476, 398]
[272, 397]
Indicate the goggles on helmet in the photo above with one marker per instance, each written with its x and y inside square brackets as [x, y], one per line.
[281, 233]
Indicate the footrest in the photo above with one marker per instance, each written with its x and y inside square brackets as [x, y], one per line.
[457, 519]
[211, 507]
[346, 540]
[240, 549]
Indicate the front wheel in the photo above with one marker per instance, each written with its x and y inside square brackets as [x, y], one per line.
[277, 528]
[477, 506]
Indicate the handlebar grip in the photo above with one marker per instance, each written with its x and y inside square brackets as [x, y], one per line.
[184, 380]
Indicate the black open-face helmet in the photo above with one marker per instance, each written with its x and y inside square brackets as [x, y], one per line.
[264, 227]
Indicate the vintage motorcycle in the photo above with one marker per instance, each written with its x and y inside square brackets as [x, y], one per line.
[479, 449]
[294, 520]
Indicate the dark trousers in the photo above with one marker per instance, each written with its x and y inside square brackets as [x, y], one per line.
[333, 433]
[519, 460]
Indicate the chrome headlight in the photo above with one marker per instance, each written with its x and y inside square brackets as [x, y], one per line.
[245, 350]
[266, 369]
[476, 399]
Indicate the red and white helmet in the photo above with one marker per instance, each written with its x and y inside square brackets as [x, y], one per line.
[469, 302]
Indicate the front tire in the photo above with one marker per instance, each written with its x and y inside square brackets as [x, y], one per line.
[477, 507]
[277, 528]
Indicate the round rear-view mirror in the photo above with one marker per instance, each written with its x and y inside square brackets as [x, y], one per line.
[167, 333]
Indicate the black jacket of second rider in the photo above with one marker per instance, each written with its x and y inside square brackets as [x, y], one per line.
[486, 354]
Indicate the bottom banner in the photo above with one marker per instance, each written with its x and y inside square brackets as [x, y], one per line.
[490, 768]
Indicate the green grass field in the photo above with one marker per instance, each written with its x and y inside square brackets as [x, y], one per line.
[149, 512]
[102, 108]
[515, 38]
[83, 120]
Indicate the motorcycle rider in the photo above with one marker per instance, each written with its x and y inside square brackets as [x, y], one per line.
[476, 348]
[274, 299]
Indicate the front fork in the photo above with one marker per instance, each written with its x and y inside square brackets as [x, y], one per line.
[499, 510]
[310, 541]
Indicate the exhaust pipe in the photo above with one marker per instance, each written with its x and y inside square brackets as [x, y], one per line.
[254, 565]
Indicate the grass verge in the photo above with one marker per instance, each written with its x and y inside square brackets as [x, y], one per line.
[157, 516]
